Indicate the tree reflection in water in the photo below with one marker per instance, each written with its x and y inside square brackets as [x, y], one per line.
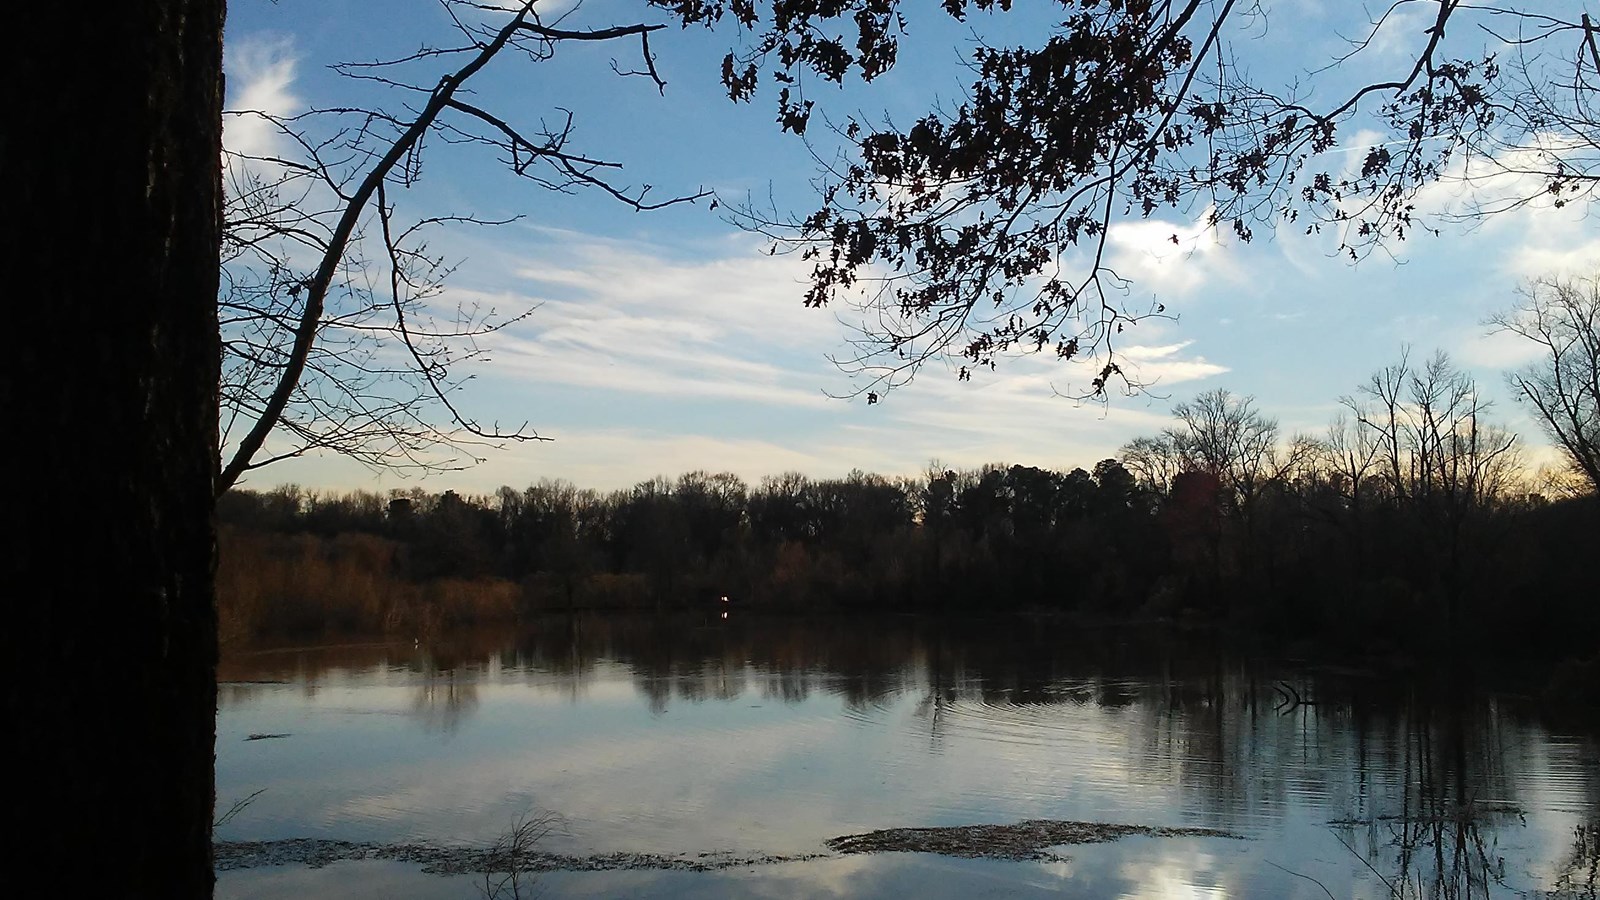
[1438, 853]
[444, 698]
[1439, 837]
[1427, 776]
[1580, 876]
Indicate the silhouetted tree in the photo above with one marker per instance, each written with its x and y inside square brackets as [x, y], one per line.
[1225, 437]
[1116, 489]
[654, 536]
[314, 353]
[1434, 446]
[1117, 110]
[329, 344]
[110, 240]
[1228, 438]
[980, 228]
[1152, 460]
[713, 507]
[1444, 467]
[1562, 317]
[1351, 561]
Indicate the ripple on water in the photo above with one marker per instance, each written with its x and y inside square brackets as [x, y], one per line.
[873, 712]
[1028, 724]
[730, 755]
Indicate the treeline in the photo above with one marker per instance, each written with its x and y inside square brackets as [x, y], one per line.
[988, 539]
[1409, 526]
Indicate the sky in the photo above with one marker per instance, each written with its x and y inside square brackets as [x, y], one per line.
[670, 341]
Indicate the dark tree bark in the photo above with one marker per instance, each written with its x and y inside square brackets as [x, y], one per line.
[109, 157]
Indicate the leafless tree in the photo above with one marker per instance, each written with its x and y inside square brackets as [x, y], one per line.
[509, 872]
[1348, 456]
[1227, 437]
[977, 230]
[330, 337]
[1152, 460]
[1562, 318]
[1434, 446]
[1442, 465]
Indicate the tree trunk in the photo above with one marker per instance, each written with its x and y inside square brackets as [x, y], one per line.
[110, 160]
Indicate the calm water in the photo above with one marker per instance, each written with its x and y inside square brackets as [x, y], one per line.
[764, 737]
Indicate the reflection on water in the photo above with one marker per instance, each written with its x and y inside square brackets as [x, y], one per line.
[767, 737]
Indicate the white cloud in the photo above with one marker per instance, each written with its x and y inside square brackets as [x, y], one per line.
[261, 73]
[1163, 366]
[1505, 197]
[732, 288]
[612, 349]
[1553, 249]
[1416, 329]
[1173, 260]
[1499, 350]
[624, 317]
[1499, 201]
[620, 322]
[1400, 34]
[732, 327]
[612, 458]
[545, 8]
[1014, 416]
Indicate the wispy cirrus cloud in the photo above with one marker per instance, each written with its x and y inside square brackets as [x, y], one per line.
[261, 74]
[621, 316]
[1167, 364]
[608, 458]
[631, 323]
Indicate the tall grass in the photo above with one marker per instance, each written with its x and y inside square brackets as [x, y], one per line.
[281, 585]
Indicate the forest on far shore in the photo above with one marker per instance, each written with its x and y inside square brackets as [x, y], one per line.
[1410, 527]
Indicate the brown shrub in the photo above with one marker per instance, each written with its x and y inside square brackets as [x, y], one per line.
[272, 585]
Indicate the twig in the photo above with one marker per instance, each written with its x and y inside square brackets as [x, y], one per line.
[1393, 891]
[1306, 877]
[237, 807]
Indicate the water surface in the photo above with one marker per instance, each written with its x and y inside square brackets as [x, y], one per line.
[760, 738]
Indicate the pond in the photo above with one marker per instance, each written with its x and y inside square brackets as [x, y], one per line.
[703, 756]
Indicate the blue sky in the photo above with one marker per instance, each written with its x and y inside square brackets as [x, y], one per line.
[669, 341]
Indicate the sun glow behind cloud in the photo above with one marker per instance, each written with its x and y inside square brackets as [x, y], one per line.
[1172, 260]
[261, 73]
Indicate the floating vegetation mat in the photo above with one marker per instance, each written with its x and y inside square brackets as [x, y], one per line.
[1022, 841]
[436, 860]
